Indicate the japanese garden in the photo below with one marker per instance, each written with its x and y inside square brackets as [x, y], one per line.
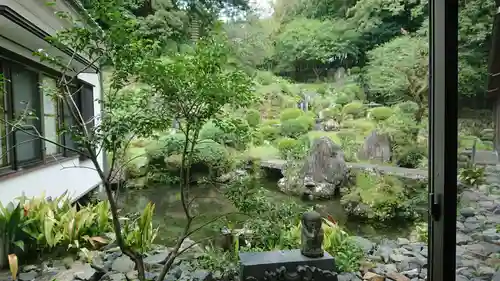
[226, 127]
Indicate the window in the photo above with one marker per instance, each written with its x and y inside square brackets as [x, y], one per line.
[31, 95]
[87, 100]
[50, 116]
[26, 106]
[69, 122]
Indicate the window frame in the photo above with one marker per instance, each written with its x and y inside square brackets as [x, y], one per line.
[443, 114]
[38, 106]
[7, 60]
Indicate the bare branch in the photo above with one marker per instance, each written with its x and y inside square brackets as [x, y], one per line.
[189, 233]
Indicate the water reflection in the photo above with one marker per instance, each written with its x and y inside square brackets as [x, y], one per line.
[209, 203]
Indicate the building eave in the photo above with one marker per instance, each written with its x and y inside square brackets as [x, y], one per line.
[24, 23]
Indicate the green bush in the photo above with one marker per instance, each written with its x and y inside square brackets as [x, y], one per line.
[286, 146]
[262, 152]
[290, 113]
[472, 175]
[233, 132]
[269, 132]
[410, 156]
[265, 78]
[377, 197]
[381, 113]
[407, 107]
[213, 155]
[308, 120]
[354, 90]
[270, 122]
[343, 99]
[487, 135]
[253, 117]
[294, 128]
[137, 161]
[321, 103]
[209, 156]
[210, 131]
[331, 112]
[354, 108]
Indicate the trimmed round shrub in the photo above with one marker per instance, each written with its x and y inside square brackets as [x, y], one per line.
[209, 156]
[343, 99]
[381, 113]
[237, 133]
[354, 108]
[290, 113]
[287, 145]
[270, 122]
[407, 107]
[354, 90]
[331, 112]
[410, 157]
[212, 155]
[294, 128]
[210, 131]
[269, 132]
[253, 117]
[308, 120]
[321, 103]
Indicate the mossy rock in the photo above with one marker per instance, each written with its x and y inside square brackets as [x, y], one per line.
[379, 197]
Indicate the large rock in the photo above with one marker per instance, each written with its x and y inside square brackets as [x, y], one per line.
[321, 175]
[376, 147]
[331, 126]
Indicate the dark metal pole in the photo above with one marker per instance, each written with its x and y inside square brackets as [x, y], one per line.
[443, 139]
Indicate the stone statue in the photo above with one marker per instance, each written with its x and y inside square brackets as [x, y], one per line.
[312, 235]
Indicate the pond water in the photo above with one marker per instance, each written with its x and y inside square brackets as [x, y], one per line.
[170, 218]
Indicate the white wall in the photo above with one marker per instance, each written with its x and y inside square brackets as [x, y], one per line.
[77, 177]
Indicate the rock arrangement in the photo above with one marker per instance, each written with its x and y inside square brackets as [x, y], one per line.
[111, 265]
[478, 243]
[322, 174]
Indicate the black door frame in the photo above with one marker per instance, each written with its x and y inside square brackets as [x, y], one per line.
[443, 98]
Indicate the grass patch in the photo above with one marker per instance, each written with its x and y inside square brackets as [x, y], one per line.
[262, 152]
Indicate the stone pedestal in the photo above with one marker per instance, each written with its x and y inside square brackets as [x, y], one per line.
[255, 264]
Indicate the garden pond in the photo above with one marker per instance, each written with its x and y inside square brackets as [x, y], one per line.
[210, 203]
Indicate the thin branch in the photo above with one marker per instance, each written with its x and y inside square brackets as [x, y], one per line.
[38, 135]
[79, 167]
[189, 233]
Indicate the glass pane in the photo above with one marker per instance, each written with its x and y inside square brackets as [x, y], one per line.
[49, 90]
[88, 106]
[478, 115]
[27, 146]
[4, 153]
[68, 123]
[347, 91]
[25, 95]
